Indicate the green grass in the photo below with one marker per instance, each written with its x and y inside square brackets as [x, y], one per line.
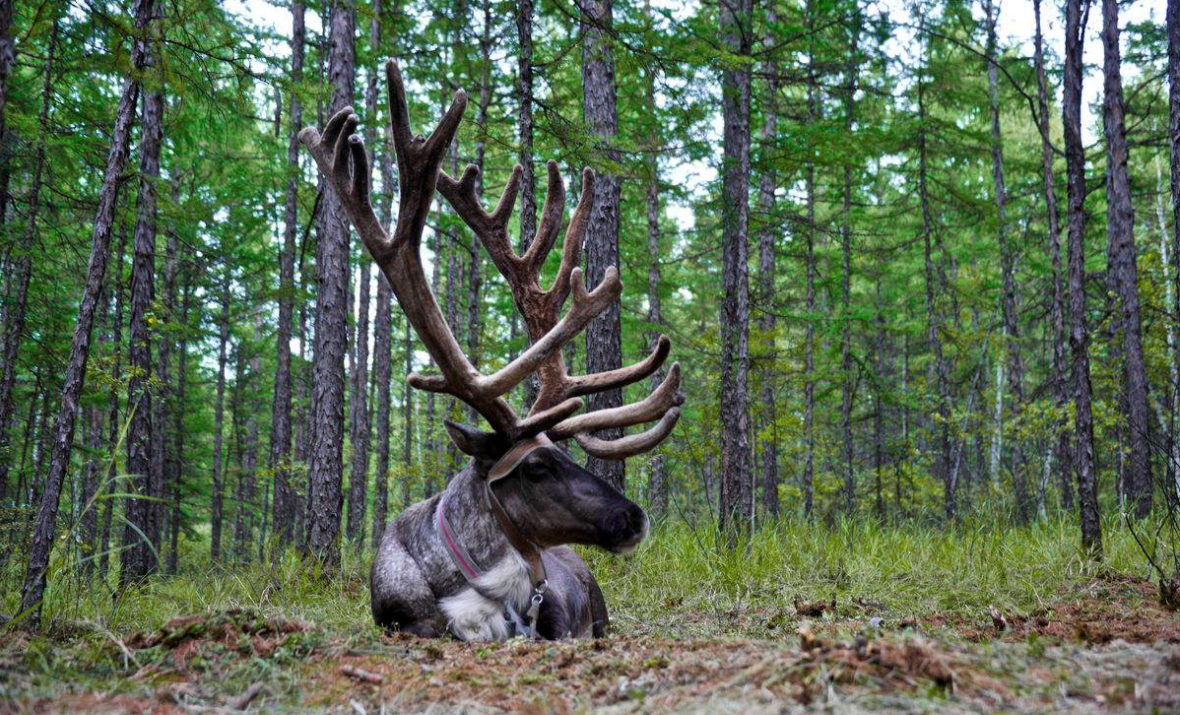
[906, 571]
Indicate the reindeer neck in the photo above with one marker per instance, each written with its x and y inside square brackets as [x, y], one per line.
[472, 524]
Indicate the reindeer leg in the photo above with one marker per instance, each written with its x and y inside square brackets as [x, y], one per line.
[401, 598]
[574, 606]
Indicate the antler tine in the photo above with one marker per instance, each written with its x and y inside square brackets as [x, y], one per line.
[418, 158]
[552, 215]
[623, 376]
[586, 306]
[332, 151]
[631, 444]
[653, 407]
[490, 228]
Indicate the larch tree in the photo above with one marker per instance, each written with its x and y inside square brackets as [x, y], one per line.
[75, 373]
[1123, 265]
[768, 237]
[1008, 261]
[604, 341]
[1172, 24]
[1060, 366]
[1079, 336]
[217, 497]
[736, 502]
[140, 537]
[848, 377]
[326, 467]
[280, 426]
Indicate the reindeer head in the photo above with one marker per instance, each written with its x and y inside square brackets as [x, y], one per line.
[541, 488]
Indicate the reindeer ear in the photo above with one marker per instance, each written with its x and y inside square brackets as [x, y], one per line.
[488, 446]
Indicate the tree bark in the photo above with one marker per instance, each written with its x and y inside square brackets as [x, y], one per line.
[604, 342]
[1172, 24]
[178, 427]
[16, 306]
[250, 458]
[1122, 264]
[280, 425]
[528, 181]
[1008, 258]
[767, 237]
[326, 469]
[736, 503]
[75, 373]
[847, 378]
[942, 464]
[163, 442]
[1057, 316]
[658, 473]
[141, 538]
[383, 327]
[1079, 337]
[7, 62]
[407, 418]
[219, 419]
[113, 427]
[813, 115]
[358, 479]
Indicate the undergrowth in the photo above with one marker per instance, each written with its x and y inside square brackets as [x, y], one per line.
[905, 571]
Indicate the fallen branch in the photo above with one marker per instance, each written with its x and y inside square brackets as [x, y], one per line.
[362, 675]
[243, 701]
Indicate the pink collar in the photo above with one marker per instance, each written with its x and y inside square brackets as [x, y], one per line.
[459, 555]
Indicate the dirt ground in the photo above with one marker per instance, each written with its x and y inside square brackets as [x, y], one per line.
[1109, 648]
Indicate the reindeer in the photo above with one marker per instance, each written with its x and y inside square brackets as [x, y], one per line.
[488, 558]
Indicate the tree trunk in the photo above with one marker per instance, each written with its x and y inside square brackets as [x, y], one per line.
[326, 469]
[767, 237]
[1057, 316]
[879, 404]
[1008, 258]
[942, 465]
[382, 379]
[140, 537]
[604, 343]
[1079, 337]
[657, 476]
[430, 461]
[1121, 259]
[736, 503]
[250, 461]
[178, 427]
[162, 442]
[236, 455]
[407, 418]
[219, 419]
[528, 181]
[113, 426]
[280, 425]
[813, 115]
[7, 62]
[75, 373]
[17, 304]
[475, 265]
[383, 327]
[1173, 32]
[359, 414]
[847, 377]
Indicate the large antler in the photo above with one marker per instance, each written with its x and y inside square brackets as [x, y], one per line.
[340, 155]
[540, 308]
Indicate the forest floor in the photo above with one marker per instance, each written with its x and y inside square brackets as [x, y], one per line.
[1096, 641]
